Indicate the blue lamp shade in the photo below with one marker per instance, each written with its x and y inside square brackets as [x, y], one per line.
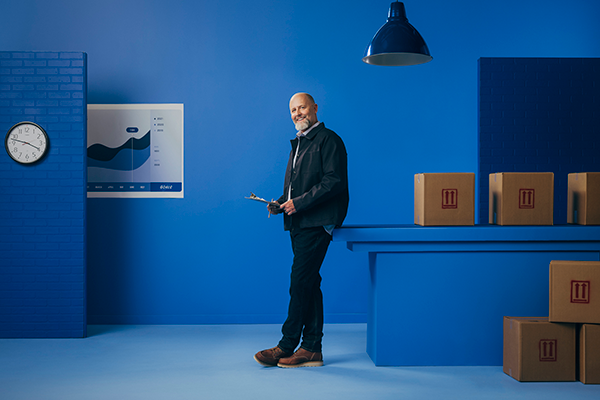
[397, 42]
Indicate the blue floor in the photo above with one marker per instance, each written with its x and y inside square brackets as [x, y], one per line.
[215, 362]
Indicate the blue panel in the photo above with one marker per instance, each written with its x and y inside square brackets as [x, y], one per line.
[438, 294]
[543, 127]
[447, 308]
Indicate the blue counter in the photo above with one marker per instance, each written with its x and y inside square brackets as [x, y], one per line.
[438, 294]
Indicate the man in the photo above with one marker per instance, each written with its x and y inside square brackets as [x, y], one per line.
[314, 202]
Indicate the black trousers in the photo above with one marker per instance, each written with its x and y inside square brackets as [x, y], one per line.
[305, 312]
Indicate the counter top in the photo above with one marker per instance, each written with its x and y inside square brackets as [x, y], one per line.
[380, 237]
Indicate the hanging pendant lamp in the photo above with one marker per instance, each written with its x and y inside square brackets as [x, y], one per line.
[397, 42]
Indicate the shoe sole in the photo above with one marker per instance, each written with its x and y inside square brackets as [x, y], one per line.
[264, 364]
[304, 364]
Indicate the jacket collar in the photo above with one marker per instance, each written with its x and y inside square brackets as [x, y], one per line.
[313, 132]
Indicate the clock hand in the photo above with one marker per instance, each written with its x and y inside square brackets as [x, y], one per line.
[37, 148]
[24, 143]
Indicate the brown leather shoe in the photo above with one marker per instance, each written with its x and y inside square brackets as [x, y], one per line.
[270, 357]
[301, 358]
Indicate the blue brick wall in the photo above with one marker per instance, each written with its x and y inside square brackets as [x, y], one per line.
[538, 115]
[43, 206]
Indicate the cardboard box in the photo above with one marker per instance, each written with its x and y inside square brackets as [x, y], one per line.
[536, 350]
[518, 198]
[575, 291]
[589, 353]
[583, 198]
[445, 199]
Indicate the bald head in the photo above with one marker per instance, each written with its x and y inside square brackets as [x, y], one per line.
[307, 97]
[303, 111]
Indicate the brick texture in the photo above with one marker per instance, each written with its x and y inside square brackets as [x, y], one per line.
[538, 115]
[43, 206]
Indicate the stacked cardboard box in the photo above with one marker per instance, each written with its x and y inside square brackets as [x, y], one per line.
[575, 291]
[589, 353]
[583, 198]
[444, 199]
[520, 198]
[546, 349]
[537, 350]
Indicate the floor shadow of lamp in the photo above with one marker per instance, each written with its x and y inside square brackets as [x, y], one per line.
[397, 42]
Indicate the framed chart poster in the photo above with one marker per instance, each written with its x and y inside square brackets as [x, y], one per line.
[135, 150]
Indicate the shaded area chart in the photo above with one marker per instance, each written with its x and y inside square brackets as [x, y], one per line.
[129, 156]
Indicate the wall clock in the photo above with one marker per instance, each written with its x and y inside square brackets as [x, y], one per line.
[26, 142]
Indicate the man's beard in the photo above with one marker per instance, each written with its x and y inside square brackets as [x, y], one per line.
[303, 125]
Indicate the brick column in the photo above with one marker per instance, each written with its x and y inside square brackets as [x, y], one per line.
[43, 206]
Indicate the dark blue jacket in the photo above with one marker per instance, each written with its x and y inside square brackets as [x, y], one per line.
[319, 181]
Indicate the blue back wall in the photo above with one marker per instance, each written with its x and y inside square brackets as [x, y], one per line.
[214, 256]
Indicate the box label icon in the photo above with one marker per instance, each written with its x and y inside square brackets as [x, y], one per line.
[548, 349]
[526, 198]
[580, 292]
[449, 198]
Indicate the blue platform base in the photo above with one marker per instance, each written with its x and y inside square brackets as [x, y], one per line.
[438, 294]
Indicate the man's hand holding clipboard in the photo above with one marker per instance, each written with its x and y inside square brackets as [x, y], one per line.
[272, 206]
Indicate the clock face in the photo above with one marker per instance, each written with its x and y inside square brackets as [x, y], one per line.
[26, 142]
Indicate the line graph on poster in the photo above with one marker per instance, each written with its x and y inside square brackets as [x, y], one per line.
[135, 150]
